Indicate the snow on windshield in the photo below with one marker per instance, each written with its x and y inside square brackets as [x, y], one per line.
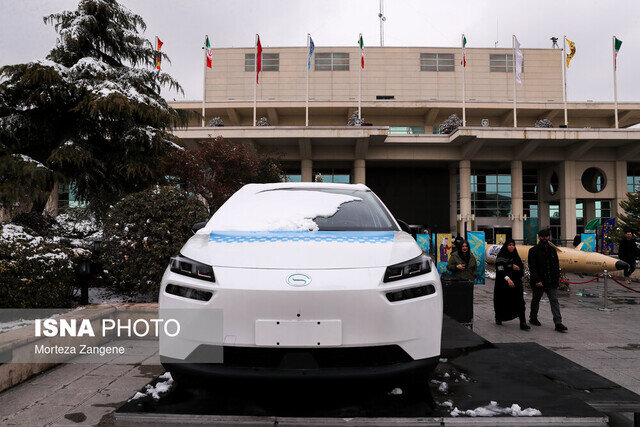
[276, 210]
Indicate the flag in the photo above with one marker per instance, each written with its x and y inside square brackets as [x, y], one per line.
[158, 56]
[258, 59]
[572, 51]
[311, 48]
[464, 51]
[361, 43]
[617, 45]
[518, 60]
[209, 53]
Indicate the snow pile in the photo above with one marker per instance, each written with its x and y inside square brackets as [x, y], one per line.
[395, 392]
[446, 404]
[443, 387]
[155, 391]
[276, 210]
[493, 409]
[16, 234]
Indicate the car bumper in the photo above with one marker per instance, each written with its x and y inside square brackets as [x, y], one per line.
[350, 304]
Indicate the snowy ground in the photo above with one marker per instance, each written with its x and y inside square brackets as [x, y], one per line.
[10, 325]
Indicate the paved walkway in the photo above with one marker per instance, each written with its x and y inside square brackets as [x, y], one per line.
[605, 342]
[608, 343]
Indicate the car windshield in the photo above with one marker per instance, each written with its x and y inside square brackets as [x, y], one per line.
[365, 214]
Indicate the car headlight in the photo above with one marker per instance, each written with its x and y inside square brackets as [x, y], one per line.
[188, 267]
[414, 267]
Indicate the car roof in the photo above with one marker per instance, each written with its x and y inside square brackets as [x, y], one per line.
[257, 188]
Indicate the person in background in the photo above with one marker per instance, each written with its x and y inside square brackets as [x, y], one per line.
[462, 264]
[456, 243]
[508, 299]
[628, 252]
[544, 270]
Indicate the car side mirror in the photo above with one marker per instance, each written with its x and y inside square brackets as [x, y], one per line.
[404, 226]
[197, 226]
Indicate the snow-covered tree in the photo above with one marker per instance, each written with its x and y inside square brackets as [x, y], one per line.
[450, 125]
[355, 120]
[263, 121]
[543, 123]
[215, 122]
[90, 114]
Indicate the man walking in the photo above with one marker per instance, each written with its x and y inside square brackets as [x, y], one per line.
[544, 269]
[628, 252]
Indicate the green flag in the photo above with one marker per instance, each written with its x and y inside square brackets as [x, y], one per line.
[616, 45]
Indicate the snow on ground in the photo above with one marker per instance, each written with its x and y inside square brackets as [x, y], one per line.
[493, 409]
[395, 392]
[278, 209]
[154, 391]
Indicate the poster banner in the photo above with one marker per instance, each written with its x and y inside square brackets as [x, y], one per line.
[607, 227]
[531, 231]
[500, 239]
[444, 250]
[423, 241]
[476, 241]
[588, 242]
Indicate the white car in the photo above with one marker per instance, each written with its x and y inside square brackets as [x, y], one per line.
[302, 280]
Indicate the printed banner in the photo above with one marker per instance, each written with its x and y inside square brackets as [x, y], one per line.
[477, 242]
[607, 227]
[531, 231]
[444, 250]
[588, 242]
[500, 239]
[424, 241]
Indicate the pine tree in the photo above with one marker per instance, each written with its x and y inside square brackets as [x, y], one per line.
[90, 114]
[630, 219]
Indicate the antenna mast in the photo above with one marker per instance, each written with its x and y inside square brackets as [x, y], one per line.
[382, 19]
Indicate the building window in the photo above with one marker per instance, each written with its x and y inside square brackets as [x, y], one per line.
[270, 62]
[633, 179]
[336, 175]
[332, 61]
[436, 62]
[406, 130]
[67, 197]
[603, 208]
[530, 192]
[490, 193]
[502, 63]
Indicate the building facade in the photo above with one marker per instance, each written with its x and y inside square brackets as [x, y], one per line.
[489, 174]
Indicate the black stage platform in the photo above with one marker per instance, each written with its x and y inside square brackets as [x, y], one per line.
[474, 371]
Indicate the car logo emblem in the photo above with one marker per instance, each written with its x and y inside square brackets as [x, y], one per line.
[298, 280]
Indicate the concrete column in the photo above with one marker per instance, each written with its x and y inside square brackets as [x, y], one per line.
[621, 187]
[544, 219]
[517, 209]
[589, 210]
[568, 199]
[359, 171]
[453, 200]
[465, 195]
[306, 170]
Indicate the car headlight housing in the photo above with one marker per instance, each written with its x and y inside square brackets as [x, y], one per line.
[187, 267]
[414, 267]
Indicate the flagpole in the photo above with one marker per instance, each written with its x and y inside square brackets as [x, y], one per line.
[615, 81]
[255, 85]
[308, 66]
[564, 79]
[515, 92]
[464, 86]
[360, 84]
[204, 81]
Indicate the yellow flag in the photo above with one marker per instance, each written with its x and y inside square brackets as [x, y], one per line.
[572, 51]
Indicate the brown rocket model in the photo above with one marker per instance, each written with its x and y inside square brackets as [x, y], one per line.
[571, 260]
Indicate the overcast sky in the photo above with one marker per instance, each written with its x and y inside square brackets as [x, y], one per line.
[181, 25]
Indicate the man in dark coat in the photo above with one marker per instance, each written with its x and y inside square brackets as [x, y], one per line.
[544, 269]
[628, 252]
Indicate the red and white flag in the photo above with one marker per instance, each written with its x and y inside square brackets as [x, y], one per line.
[158, 56]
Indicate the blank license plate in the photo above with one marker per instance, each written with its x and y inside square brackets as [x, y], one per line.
[298, 333]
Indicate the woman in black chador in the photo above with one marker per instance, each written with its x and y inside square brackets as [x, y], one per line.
[508, 300]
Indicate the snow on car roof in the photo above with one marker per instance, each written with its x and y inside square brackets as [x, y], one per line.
[257, 207]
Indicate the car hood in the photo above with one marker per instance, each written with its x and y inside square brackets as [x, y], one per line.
[301, 249]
